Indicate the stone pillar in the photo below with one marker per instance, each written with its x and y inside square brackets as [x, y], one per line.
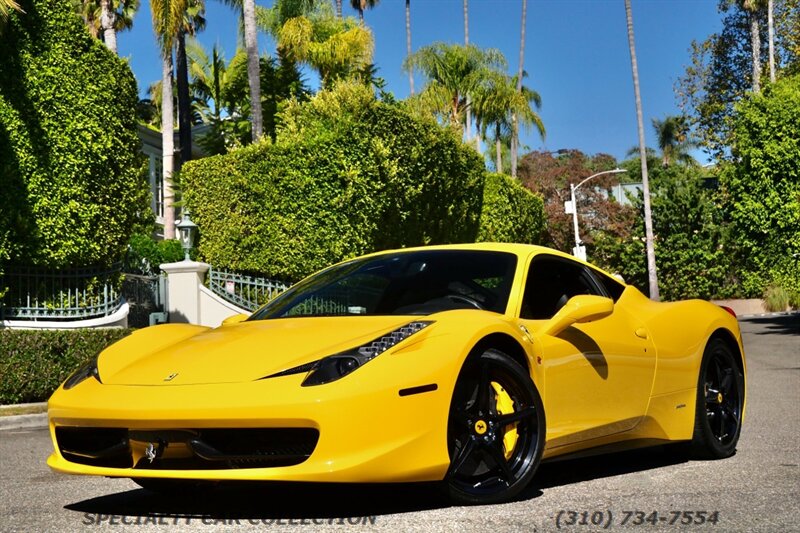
[184, 279]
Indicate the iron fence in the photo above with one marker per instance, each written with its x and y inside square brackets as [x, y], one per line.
[145, 295]
[35, 293]
[246, 291]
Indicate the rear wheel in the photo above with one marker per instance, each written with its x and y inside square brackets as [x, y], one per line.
[495, 432]
[720, 398]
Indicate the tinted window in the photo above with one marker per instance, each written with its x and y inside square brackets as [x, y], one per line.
[551, 282]
[410, 283]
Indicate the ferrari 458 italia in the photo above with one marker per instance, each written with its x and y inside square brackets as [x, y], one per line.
[464, 364]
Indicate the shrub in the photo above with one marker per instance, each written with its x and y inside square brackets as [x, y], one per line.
[33, 363]
[510, 212]
[776, 298]
[71, 185]
[347, 175]
[145, 254]
[762, 187]
[794, 300]
[690, 239]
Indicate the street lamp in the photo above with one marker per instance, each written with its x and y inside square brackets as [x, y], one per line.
[571, 207]
[187, 230]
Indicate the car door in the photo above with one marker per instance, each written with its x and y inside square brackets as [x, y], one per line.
[597, 375]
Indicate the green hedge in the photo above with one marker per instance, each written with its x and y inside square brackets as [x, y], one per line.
[511, 213]
[71, 180]
[33, 363]
[348, 175]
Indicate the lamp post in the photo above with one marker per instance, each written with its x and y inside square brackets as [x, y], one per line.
[187, 230]
[571, 207]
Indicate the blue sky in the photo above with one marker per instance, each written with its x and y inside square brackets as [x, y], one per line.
[576, 55]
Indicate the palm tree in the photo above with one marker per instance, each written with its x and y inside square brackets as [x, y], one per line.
[339, 9]
[771, 34]
[515, 136]
[247, 10]
[193, 21]
[361, 6]
[167, 19]
[673, 140]
[454, 72]
[6, 7]
[408, 45]
[501, 106]
[119, 13]
[336, 48]
[468, 122]
[648, 219]
[752, 7]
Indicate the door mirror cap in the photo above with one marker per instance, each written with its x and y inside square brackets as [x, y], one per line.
[235, 319]
[579, 309]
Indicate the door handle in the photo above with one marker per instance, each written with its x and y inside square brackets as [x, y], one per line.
[641, 333]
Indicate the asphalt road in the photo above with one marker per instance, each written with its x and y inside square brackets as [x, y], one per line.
[758, 489]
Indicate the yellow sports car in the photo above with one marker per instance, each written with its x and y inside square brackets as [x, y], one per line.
[466, 364]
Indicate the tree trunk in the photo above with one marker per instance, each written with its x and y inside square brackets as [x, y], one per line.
[339, 9]
[771, 28]
[514, 122]
[468, 118]
[107, 25]
[167, 144]
[648, 222]
[408, 46]
[498, 150]
[184, 102]
[253, 70]
[755, 40]
[360, 16]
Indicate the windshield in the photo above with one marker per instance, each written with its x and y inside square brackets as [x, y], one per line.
[401, 283]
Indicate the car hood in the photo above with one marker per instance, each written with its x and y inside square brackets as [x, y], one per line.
[241, 352]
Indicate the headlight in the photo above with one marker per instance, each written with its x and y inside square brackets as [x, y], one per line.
[339, 365]
[83, 373]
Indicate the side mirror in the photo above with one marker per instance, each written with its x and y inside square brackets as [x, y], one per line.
[235, 319]
[583, 308]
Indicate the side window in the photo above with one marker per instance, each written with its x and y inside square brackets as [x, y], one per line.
[613, 287]
[551, 282]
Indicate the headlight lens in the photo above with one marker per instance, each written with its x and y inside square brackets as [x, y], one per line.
[339, 365]
[86, 371]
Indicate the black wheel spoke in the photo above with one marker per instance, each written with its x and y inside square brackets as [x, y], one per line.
[483, 389]
[499, 458]
[730, 413]
[461, 418]
[727, 381]
[464, 453]
[516, 416]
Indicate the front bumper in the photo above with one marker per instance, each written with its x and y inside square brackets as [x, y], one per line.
[367, 431]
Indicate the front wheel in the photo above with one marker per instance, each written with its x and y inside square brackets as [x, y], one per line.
[496, 430]
[720, 399]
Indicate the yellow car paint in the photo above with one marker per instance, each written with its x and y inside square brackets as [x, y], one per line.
[628, 376]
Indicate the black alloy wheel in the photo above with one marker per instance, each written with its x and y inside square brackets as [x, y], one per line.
[720, 399]
[496, 430]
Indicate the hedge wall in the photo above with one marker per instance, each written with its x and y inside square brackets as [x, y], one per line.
[511, 212]
[348, 175]
[33, 363]
[71, 181]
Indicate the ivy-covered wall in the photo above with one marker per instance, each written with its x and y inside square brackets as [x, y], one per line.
[71, 181]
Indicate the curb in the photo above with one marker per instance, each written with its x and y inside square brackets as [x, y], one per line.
[32, 421]
[36, 421]
[775, 314]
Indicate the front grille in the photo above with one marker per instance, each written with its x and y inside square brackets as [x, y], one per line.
[95, 446]
[187, 449]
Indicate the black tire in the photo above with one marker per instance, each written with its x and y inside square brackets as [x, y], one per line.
[720, 397]
[482, 470]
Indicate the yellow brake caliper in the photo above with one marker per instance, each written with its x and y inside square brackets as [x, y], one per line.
[505, 405]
